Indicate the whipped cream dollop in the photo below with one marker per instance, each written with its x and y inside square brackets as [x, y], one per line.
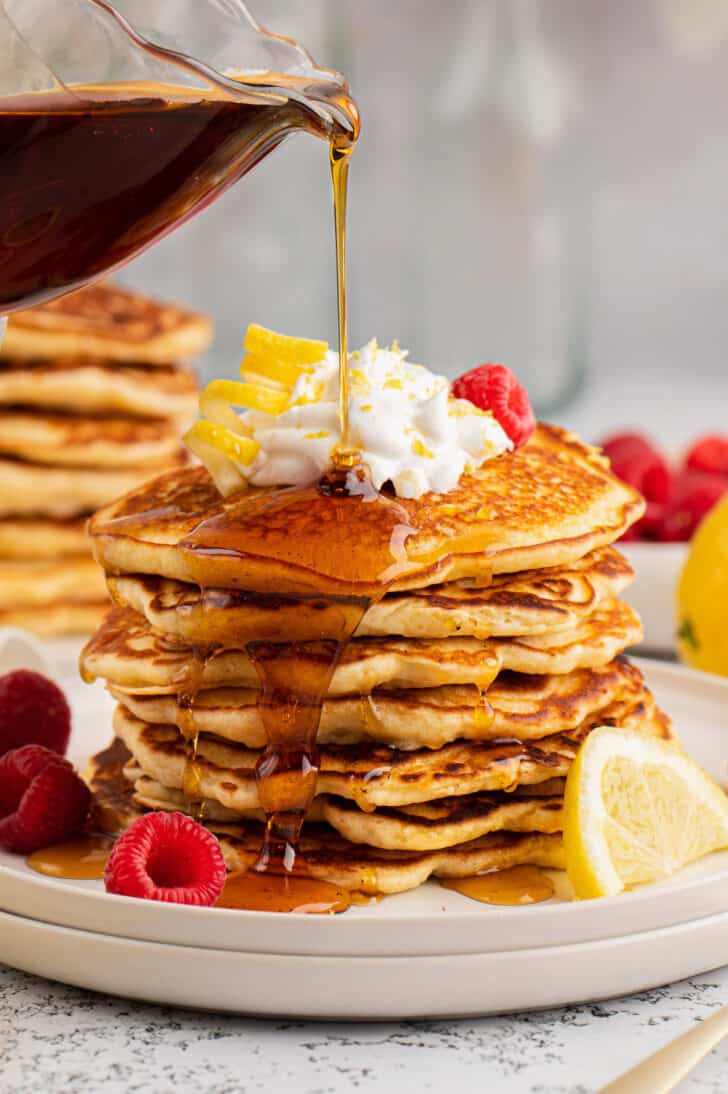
[402, 419]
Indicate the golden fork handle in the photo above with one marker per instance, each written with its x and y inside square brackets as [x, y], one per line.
[662, 1071]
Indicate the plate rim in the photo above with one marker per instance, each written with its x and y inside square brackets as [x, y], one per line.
[435, 986]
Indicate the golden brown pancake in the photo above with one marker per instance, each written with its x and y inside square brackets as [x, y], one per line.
[27, 538]
[152, 795]
[356, 867]
[515, 705]
[70, 441]
[40, 582]
[447, 822]
[29, 489]
[328, 856]
[86, 386]
[53, 620]
[128, 653]
[512, 604]
[537, 601]
[428, 826]
[374, 776]
[547, 504]
[107, 321]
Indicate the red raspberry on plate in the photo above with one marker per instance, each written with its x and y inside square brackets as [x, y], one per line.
[495, 388]
[169, 857]
[33, 710]
[695, 495]
[42, 799]
[710, 454]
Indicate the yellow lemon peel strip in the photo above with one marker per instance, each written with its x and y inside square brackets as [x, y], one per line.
[233, 445]
[282, 348]
[226, 475]
[249, 396]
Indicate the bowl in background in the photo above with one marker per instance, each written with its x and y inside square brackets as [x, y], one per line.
[657, 568]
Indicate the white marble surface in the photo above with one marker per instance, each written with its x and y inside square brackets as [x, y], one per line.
[59, 1039]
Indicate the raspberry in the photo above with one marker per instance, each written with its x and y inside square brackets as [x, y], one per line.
[709, 454]
[624, 445]
[637, 463]
[649, 526]
[42, 799]
[167, 856]
[33, 710]
[495, 388]
[695, 495]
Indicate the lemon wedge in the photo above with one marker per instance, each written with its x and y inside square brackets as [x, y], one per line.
[281, 347]
[636, 809]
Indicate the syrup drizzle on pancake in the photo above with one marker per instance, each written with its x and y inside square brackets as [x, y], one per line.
[360, 547]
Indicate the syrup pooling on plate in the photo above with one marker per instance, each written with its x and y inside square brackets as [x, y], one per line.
[263, 891]
[83, 858]
[517, 885]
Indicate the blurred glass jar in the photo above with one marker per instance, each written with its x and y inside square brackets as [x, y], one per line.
[470, 224]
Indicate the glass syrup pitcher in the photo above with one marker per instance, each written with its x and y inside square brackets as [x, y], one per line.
[120, 121]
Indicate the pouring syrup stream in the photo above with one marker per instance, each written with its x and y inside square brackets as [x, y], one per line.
[294, 676]
[339, 153]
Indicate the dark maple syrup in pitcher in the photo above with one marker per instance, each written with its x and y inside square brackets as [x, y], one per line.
[91, 176]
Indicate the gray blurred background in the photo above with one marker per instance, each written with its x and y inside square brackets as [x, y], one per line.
[540, 182]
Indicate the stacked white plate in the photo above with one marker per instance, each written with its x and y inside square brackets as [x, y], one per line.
[657, 568]
[428, 953]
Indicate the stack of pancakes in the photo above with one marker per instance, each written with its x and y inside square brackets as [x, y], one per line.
[454, 713]
[94, 394]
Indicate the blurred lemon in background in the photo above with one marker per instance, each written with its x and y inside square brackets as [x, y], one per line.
[702, 596]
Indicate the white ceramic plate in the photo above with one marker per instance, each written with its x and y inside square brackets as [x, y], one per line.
[364, 988]
[437, 952]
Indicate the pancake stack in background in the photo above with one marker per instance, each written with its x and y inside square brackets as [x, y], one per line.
[95, 391]
[454, 714]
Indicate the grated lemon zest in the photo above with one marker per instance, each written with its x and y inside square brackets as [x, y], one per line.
[421, 449]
